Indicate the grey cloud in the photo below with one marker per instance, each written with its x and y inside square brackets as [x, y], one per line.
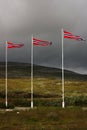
[19, 19]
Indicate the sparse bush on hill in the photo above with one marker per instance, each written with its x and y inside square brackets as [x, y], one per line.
[76, 101]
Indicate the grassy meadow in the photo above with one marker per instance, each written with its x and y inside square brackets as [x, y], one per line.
[47, 91]
[44, 118]
[47, 86]
[47, 114]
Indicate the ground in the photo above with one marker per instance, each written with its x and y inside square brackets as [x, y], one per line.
[44, 118]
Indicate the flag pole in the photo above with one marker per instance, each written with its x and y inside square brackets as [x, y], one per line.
[63, 102]
[6, 98]
[32, 71]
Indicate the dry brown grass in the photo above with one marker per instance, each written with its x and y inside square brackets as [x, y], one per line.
[45, 118]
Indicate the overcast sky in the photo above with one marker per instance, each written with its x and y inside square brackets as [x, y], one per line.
[19, 19]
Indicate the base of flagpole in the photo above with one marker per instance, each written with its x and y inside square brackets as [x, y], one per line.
[6, 104]
[32, 104]
[63, 104]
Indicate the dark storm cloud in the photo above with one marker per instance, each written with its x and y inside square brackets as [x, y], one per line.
[19, 19]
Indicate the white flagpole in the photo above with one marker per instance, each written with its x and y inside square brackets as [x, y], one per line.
[6, 100]
[32, 72]
[63, 102]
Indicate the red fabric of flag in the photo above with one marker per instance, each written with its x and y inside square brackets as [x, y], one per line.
[12, 45]
[38, 42]
[71, 36]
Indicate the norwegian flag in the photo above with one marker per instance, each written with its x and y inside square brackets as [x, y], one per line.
[12, 45]
[71, 36]
[38, 42]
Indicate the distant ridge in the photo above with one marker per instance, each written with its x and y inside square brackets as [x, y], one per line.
[23, 70]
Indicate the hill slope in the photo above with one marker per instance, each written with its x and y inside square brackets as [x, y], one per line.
[23, 70]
